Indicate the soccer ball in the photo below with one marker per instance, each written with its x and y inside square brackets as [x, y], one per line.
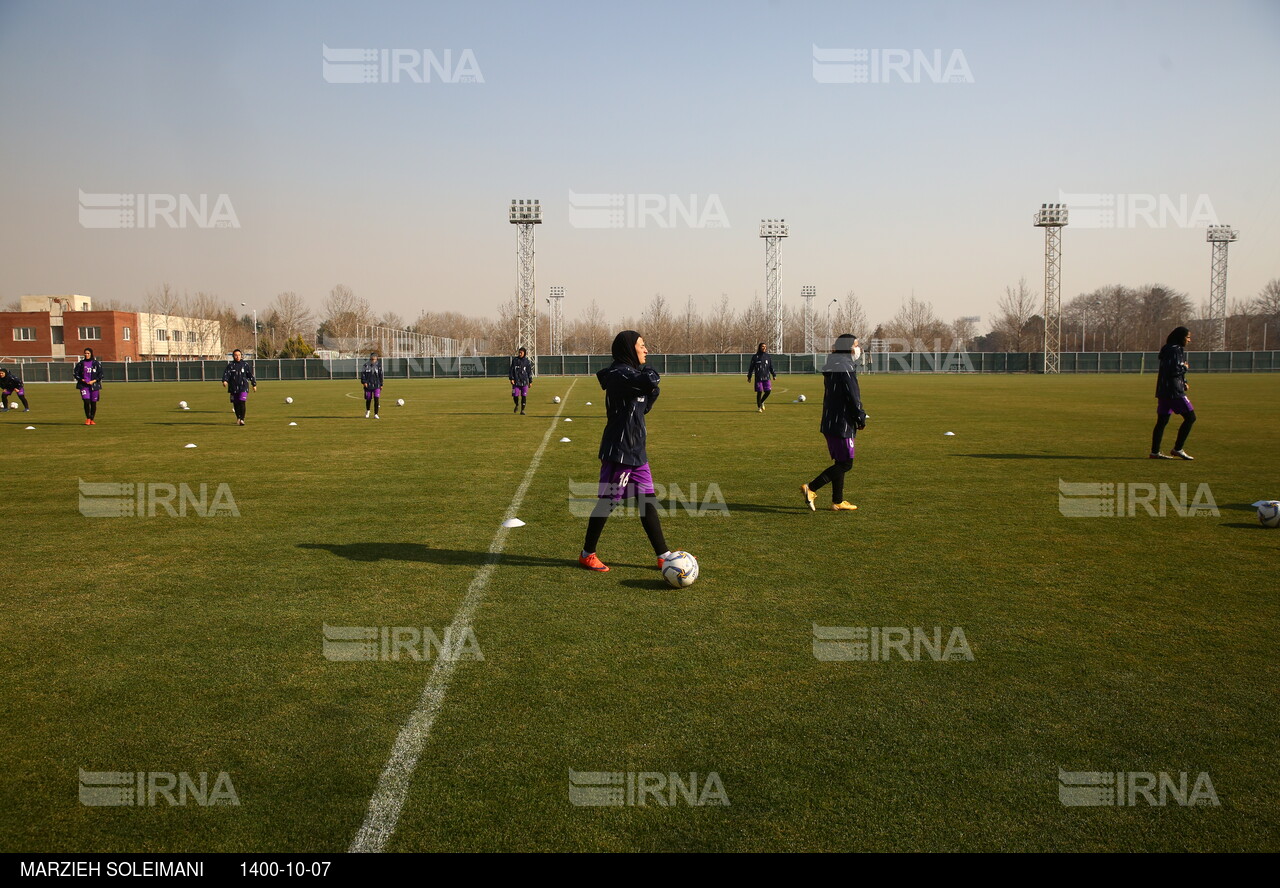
[400, 403]
[680, 570]
[1269, 513]
[182, 404]
[288, 400]
[803, 399]
[555, 400]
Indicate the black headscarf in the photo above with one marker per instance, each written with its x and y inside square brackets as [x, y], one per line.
[841, 358]
[624, 348]
[1178, 336]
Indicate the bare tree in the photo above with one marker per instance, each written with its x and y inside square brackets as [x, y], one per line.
[849, 317]
[963, 331]
[344, 312]
[1267, 302]
[293, 315]
[917, 324]
[1015, 310]
[658, 325]
[720, 332]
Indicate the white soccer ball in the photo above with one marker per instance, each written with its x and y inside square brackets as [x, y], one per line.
[288, 400]
[555, 400]
[802, 399]
[680, 570]
[1269, 513]
[400, 403]
[182, 404]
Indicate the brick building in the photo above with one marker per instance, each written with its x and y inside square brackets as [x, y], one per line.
[61, 327]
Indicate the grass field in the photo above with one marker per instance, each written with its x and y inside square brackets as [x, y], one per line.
[194, 644]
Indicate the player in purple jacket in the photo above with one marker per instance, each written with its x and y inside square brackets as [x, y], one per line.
[630, 391]
[11, 384]
[762, 369]
[842, 419]
[237, 379]
[520, 375]
[1171, 394]
[88, 377]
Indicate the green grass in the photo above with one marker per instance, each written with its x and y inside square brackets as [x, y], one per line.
[194, 644]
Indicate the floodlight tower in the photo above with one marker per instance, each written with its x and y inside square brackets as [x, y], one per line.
[1052, 218]
[807, 293]
[773, 231]
[556, 302]
[524, 215]
[1219, 236]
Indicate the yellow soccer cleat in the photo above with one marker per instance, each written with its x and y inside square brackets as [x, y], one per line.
[844, 507]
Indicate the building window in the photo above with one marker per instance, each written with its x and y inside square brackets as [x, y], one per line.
[177, 335]
[90, 333]
[191, 336]
[57, 333]
[162, 335]
[24, 334]
[127, 334]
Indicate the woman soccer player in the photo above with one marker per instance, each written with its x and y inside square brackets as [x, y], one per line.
[520, 375]
[1171, 394]
[88, 377]
[11, 384]
[762, 369]
[630, 390]
[842, 418]
[237, 379]
[371, 379]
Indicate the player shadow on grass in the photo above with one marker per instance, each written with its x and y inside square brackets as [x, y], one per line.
[730, 508]
[1040, 456]
[372, 552]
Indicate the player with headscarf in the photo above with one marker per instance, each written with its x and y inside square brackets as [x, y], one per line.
[631, 388]
[842, 419]
[1171, 394]
[761, 369]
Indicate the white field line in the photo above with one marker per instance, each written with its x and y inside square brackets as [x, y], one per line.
[393, 786]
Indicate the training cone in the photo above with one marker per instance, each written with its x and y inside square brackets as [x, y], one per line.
[564, 440]
[189, 446]
[513, 522]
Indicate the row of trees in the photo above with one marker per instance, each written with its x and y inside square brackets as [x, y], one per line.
[1111, 318]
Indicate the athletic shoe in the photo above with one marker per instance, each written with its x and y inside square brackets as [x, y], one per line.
[1159, 456]
[4, 409]
[1182, 454]
[522, 413]
[366, 414]
[26, 410]
[376, 416]
[591, 562]
[809, 497]
[88, 422]
[845, 506]
[759, 410]
[239, 422]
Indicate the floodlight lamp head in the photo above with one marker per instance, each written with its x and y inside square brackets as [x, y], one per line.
[1221, 234]
[525, 212]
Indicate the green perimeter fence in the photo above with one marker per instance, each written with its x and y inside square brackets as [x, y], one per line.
[582, 365]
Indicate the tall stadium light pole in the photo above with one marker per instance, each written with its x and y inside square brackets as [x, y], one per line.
[1052, 218]
[807, 293]
[525, 214]
[556, 302]
[1219, 236]
[773, 231]
[830, 339]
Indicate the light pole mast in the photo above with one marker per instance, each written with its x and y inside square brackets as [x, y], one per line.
[525, 214]
[556, 301]
[773, 231]
[1219, 236]
[807, 293]
[1052, 218]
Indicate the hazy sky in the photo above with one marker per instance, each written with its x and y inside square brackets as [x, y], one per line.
[400, 189]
